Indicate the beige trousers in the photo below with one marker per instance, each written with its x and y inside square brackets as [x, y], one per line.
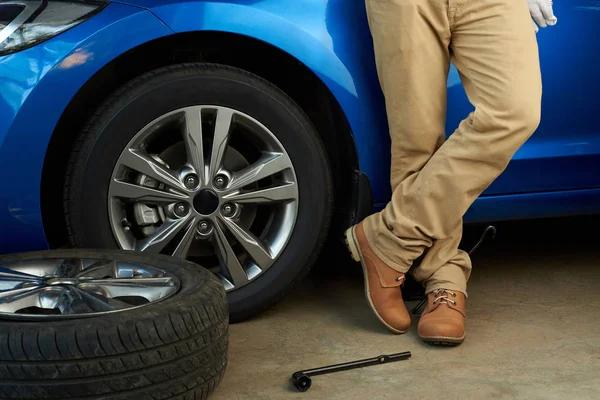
[493, 46]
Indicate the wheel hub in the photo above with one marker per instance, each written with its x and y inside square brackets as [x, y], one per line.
[61, 281]
[206, 202]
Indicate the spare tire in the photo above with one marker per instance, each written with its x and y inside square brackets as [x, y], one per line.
[109, 325]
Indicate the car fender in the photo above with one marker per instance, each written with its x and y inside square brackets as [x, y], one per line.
[330, 37]
[37, 86]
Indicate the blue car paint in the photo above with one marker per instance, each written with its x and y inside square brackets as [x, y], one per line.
[317, 33]
[555, 173]
[36, 86]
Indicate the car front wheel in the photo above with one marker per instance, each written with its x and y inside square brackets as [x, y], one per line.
[208, 163]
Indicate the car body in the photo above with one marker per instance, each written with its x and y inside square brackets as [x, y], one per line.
[49, 90]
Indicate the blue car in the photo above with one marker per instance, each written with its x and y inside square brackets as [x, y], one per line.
[242, 134]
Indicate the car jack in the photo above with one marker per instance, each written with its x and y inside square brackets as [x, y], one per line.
[302, 381]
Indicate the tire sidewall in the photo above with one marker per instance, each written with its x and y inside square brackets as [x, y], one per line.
[161, 92]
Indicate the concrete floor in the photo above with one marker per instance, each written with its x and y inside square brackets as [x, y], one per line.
[533, 329]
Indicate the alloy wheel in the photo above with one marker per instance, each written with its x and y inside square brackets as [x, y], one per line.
[75, 288]
[208, 183]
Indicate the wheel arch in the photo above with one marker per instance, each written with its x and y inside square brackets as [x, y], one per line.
[244, 52]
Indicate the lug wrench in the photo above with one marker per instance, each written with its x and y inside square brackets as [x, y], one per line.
[301, 379]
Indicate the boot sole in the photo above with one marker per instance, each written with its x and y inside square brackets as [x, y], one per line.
[354, 249]
[443, 341]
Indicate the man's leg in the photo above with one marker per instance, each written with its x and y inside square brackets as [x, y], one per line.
[495, 50]
[411, 39]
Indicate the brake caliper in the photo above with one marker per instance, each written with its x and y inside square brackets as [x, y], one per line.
[149, 217]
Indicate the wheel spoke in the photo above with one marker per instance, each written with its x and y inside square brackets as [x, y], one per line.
[158, 240]
[17, 276]
[82, 264]
[130, 191]
[253, 245]
[6, 296]
[153, 281]
[193, 140]
[268, 165]
[33, 269]
[183, 247]
[231, 269]
[70, 302]
[149, 288]
[221, 139]
[100, 269]
[34, 296]
[271, 195]
[146, 165]
[95, 302]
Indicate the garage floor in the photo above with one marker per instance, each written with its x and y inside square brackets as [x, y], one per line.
[533, 329]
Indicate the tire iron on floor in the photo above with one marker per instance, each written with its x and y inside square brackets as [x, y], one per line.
[302, 379]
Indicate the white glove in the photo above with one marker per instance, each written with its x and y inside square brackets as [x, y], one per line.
[542, 13]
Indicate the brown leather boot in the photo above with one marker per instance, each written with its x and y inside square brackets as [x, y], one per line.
[443, 321]
[382, 283]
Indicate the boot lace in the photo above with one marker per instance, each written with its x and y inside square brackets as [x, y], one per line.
[443, 296]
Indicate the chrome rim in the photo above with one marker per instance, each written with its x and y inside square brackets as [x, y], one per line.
[210, 184]
[70, 288]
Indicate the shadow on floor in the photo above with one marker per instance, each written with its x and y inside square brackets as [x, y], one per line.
[533, 328]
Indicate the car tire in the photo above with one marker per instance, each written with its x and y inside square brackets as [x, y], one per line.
[173, 348]
[131, 108]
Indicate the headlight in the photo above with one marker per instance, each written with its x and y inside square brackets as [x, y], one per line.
[25, 23]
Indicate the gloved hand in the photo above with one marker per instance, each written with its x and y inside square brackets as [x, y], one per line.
[542, 13]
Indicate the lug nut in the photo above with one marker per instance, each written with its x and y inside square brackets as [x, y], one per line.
[228, 210]
[180, 210]
[204, 227]
[220, 181]
[126, 225]
[191, 181]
